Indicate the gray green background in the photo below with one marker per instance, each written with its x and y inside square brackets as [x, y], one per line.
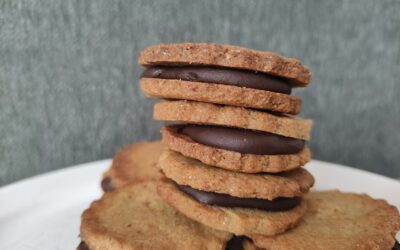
[69, 78]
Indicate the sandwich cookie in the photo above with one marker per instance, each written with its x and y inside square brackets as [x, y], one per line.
[239, 221]
[235, 138]
[237, 149]
[335, 221]
[134, 217]
[134, 163]
[231, 201]
[223, 74]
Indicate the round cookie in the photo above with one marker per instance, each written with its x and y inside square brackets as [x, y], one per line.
[207, 113]
[193, 173]
[247, 163]
[336, 220]
[135, 217]
[226, 56]
[240, 221]
[221, 94]
[134, 163]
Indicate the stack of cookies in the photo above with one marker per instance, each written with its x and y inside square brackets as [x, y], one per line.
[231, 165]
[234, 151]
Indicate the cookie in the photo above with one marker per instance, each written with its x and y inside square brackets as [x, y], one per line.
[240, 221]
[133, 163]
[193, 173]
[212, 114]
[135, 217]
[336, 220]
[226, 56]
[231, 160]
[220, 94]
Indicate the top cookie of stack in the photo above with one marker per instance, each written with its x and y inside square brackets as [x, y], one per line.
[223, 74]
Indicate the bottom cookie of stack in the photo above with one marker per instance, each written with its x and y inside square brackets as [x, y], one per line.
[240, 203]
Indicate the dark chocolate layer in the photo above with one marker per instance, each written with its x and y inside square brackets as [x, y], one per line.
[225, 200]
[82, 246]
[242, 140]
[106, 184]
[235, 243]
[236, 77]
[396, 246]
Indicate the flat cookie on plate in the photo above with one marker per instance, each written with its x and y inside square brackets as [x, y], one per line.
[223, 74]
[135, 217]
[339, 221]
[134, 163]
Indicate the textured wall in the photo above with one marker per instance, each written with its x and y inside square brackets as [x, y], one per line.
[68, 93]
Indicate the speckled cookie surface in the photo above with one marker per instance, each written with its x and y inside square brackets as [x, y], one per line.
[221, 94]
[226, 56]
[247, 163]
[193, 173]
[207, 113]
[135, 217]
[134, 163]
[338, 221]
[240, 221]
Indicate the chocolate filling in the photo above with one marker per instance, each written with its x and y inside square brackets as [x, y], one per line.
[227, 76]
[396, 246]
[226, 200]
[83, 246]
[106, 184]
[235, 243]
[242, 140]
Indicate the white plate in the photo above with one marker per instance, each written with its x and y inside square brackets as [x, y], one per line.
[43, 212]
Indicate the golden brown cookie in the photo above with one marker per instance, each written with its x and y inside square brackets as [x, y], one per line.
[193, 173]
[221, 94]
[135, 217]
[133, 163]
[207, 113]
[247, 163]
[226, 56]
[240, 221]
[336, 221]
